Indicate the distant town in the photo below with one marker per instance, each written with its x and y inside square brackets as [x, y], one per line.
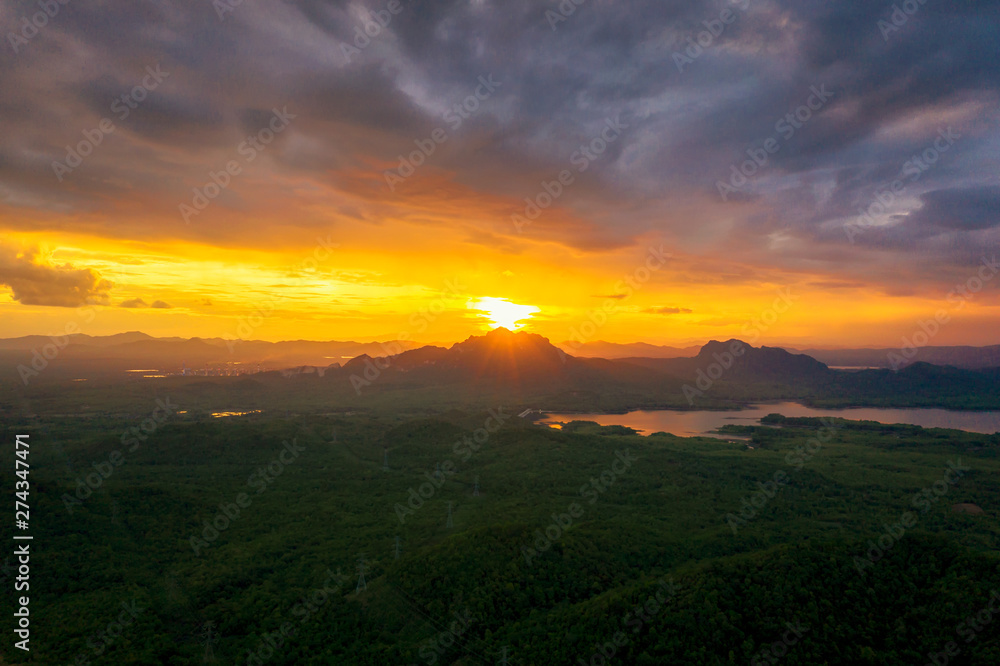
[228, 370]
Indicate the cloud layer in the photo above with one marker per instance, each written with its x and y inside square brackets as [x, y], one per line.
[724, 150]
[35, 280]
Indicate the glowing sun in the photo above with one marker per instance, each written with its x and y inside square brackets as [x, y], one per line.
[501, 312]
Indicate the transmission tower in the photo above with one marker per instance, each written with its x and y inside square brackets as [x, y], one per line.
[362, 585]
[210, 639]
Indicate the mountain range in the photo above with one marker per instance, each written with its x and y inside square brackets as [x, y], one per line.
[169, 353]
[516, 368]
[960, 357]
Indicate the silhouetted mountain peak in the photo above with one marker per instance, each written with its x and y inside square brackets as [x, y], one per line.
[357, 362]
[717, 347]
[512, 346]
[742, 361]
[505, 337]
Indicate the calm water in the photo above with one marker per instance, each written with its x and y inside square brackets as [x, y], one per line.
[688, 424]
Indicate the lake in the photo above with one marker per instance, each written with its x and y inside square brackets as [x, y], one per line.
[690, 424]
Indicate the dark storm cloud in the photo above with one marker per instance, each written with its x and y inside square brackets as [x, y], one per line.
[689, 126]
[960, 209]
[163, 115]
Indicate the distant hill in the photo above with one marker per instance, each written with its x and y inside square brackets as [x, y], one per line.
[33, 341]
[613, 350]
[751, 364]
[530, 367]
[138, 350]
[500, 367]
[504, 359]
[168, 353]
[960, 357]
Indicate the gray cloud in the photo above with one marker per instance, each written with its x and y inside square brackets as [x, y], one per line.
[958, 209]
[140, 303]
[687, 129]
[35, 280]
[668, 310]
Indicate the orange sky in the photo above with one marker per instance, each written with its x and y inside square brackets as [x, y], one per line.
[427, 288]
[622, 149]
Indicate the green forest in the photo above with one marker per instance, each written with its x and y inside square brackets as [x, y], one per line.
[486, 539]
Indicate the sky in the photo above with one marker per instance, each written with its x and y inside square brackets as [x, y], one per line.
[804, 173]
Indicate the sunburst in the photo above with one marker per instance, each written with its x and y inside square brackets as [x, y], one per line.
[502, 312]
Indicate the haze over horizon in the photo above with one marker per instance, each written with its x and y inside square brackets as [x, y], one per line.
[589, 348]
[337, 186]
